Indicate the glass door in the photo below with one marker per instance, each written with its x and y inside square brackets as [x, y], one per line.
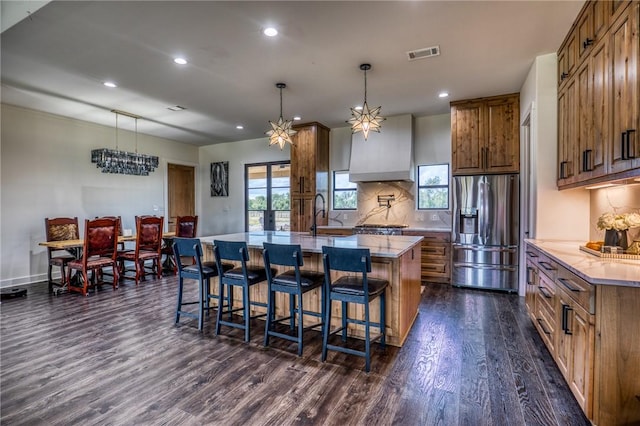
[267, 197]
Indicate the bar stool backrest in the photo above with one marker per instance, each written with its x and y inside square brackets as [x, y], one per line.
[284, 254]
[187, 247]
[231, 250]
[347, 259]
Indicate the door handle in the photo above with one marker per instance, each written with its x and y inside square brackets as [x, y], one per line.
[629, 155]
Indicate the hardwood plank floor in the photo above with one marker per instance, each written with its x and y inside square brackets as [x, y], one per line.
[115, 358]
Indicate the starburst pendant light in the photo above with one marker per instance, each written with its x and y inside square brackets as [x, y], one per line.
[366, 120]
[281, 130]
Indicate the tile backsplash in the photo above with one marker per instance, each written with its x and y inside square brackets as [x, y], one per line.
[616, 199]
[401, 210]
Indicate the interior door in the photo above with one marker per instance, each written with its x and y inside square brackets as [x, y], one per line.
[181, 192]
[268, 196]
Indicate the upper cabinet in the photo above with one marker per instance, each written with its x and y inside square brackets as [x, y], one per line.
[598, 95]
[309, 173]
[485, 135]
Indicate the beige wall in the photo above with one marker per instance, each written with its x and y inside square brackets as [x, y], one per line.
[617, 199]
[46, 172]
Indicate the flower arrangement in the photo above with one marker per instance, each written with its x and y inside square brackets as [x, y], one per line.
[618, 222]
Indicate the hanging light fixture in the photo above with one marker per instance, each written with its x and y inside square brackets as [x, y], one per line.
[281, 131]
[365, 120]
[127, 163]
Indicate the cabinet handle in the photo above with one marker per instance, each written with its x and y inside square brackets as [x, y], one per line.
[301, 207]
[622, 147]
[301, 184]
[547, 266]
[531, 254]
[530, 274]
[587, 160]
[565, 282]
[629, 155]
[544, 293]
[486, 158]
[565, 319]
[588, 42]
[544, 330]
[563, 76]
[562, 164]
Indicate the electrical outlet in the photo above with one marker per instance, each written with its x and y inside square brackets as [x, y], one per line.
[345, 216]
[434, 216]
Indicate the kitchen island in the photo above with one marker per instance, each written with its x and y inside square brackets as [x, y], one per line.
[395, 258]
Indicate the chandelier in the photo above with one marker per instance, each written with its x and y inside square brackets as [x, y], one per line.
[281, 131]
[123, 162]
[365, 120]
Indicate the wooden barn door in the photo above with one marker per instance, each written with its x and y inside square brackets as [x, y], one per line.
[181, 188]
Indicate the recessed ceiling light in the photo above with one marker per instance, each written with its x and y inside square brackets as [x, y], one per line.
[239, 127]
[297, 118]
[358, 108]
[443, 94]
[110, 84]
[176, 108]
[270, 32]
[180, 61]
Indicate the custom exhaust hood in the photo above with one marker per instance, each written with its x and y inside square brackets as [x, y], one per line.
[385, 156]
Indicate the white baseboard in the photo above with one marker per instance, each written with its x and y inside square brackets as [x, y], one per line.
[29, 279]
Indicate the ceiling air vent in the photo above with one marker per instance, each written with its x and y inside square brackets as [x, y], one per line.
[423, 53]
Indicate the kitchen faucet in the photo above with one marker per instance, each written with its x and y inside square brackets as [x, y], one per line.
[314, 227]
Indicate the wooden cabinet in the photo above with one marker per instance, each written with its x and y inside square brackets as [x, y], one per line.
[336, 232]
[435, 259]
[625, 145]
[587, 329]
[309, 174]
[598, 97]
[485, 135]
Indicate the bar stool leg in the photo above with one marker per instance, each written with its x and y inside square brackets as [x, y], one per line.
[345, 313]
[383, 322]
[200, 304]
[247, 315]
[270, 309]
[292, 311]
[179, 306]
[219, 312]
[327, 327]
[300, 323]
[367, 338]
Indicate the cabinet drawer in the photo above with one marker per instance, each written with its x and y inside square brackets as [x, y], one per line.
[546, 295]
[434, 269]
[578, 289]
[547, 267]
[546, 325]
[434, 250]
[443, 237]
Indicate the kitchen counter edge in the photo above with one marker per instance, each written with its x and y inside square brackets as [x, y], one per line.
[595, 270]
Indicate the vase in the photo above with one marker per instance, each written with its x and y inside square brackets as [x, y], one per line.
[616, 238]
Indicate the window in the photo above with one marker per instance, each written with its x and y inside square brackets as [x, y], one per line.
[433, 187]
[345, 193]
[267, 196]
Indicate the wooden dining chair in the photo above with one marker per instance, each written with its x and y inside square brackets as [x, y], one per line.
[60, 229]
[186, 227]
[148, 248]
[99, 251]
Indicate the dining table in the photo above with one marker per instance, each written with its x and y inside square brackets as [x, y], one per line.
[74, 247]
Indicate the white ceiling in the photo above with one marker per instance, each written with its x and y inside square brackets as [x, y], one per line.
[57, 59]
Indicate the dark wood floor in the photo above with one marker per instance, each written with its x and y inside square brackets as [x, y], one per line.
[115, 357]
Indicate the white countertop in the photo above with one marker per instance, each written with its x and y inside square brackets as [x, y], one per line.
[595, 270]
[380, 245]
[409, 228]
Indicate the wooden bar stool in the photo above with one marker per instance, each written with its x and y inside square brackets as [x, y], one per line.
[293, 282]
[352, 289]
[244, 276]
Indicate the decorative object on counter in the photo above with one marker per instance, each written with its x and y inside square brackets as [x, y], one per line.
[281, 131]
[634, 248]
[612, 253]
[385, 200]
[123, 162]
[220, 179]
[616, 226]
[366, 119]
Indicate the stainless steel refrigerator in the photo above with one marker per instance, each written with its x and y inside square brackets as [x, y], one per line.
[485, 232]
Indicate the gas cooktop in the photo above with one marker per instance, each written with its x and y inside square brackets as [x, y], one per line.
[381, 225]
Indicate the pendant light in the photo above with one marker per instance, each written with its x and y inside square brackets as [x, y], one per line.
[366, 120]
[281, 130]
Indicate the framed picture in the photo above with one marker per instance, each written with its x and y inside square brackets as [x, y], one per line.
[220, 179]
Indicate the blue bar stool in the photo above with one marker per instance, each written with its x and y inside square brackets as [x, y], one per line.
[293, 282]
[352, 289]
[200, 271]
[243, 276]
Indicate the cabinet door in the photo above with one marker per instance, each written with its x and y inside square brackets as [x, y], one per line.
[530, 290]
[624, 150]
[567, 58]
[584, 110]
[502, 152]
[468, 138]
[596, 161]
[567, 140]
[584, 29]
[301, 214]
[582, 347]
[303, 161]
[563, 343]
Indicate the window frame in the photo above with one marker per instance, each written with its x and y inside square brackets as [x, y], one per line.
[334, 190]
[447, 186]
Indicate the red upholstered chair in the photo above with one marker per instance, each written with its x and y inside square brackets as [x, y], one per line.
[148, 247]
[186, 227]
[60, 229]
[98, 252]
